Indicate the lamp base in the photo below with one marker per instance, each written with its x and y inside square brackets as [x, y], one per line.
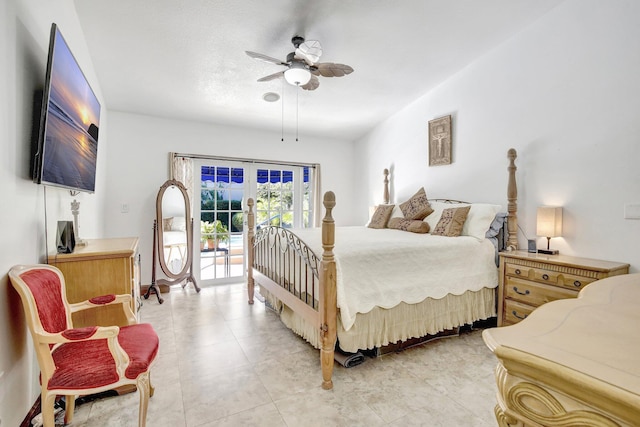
[548, 251]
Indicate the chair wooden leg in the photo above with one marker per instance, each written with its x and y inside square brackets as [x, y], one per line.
[152, 389]
[47, 402]
[144, 389]
[69, 407]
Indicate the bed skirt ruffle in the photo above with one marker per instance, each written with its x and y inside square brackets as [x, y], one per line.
[399, 323]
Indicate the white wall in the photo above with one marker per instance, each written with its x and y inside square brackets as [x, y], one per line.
[566, 94]
[137, 165]
[24, 39]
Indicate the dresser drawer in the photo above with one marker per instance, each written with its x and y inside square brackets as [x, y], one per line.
[548, 276]
[514, 312]
[534, 294]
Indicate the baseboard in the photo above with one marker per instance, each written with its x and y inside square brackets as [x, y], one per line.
[164, 289]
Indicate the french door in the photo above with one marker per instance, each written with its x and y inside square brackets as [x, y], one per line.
[282, 195]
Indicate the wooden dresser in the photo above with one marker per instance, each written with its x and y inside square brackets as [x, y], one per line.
[103, 266]
[528, 280]
[572, 362]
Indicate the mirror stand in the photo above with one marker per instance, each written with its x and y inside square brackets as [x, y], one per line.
[155, 283]
[172, 239]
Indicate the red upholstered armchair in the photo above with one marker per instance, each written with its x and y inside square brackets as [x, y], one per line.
[81, 361]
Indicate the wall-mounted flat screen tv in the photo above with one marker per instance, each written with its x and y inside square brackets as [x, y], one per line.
[67, 150]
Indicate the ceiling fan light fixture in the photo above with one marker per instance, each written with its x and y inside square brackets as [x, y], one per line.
[297, 76]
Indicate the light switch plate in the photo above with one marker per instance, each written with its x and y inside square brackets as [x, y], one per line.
[632, 211]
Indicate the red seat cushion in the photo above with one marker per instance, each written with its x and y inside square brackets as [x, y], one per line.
[82, 365]
[88, 364]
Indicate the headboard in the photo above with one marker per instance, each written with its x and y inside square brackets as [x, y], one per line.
[507, 235]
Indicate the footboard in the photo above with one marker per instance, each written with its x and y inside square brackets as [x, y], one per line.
[284, 265]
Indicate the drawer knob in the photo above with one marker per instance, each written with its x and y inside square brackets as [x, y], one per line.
[526, 292]
[515, 313]
[517, 271]
[577, 284]
[545, 276]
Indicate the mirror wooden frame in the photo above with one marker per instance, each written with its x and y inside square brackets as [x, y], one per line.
[186, 274]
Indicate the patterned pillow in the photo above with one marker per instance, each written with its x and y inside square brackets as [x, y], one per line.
[451, 222]
[417, 207]
[412, 225]
[381, 216]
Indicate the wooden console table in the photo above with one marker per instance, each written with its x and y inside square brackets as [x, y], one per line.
[103, 266]
[573, 361]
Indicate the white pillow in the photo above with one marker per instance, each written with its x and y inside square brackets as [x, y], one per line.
[178, 224]
[480, 217]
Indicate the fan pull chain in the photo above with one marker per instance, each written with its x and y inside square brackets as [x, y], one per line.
[282, 102]
[297, 94]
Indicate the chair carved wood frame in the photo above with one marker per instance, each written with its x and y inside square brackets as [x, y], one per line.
[82, 361]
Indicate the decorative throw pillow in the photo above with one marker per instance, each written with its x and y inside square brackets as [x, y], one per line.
[434, 216]
[417, 207]
[381, 216]
[412, 225]
[451, 222]
[167, 223]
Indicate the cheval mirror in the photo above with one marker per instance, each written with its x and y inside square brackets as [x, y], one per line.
[172, 239]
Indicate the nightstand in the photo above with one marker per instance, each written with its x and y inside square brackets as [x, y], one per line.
[528, 280]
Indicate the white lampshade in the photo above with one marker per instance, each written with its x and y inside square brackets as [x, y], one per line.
[549, 221]
[297, 76]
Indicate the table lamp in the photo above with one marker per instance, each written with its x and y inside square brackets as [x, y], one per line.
[549, 224]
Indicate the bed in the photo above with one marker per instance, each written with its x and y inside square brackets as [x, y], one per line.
[377, 285]
[174, 242]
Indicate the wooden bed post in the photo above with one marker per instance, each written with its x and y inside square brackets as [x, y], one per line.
[251, 224]
[328, 307]
[512, 197]
[386, 186]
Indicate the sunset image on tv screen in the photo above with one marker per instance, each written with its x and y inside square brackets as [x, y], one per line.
[73, 119]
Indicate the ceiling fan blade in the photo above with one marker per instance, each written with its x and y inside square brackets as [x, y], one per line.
[272, 76]
[265, 58]
[329, 69]
[310, 51]
[312, 85]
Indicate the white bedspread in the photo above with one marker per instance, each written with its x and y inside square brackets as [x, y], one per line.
[383, 267]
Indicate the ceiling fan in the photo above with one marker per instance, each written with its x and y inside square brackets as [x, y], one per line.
[302, 65]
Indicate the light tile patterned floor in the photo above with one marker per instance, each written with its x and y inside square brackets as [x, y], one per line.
[223, 362]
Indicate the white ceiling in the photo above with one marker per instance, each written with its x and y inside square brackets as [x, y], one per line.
[186, 59]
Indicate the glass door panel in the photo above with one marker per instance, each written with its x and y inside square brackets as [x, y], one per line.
[222, 189]
[283, 197]
[274, 198]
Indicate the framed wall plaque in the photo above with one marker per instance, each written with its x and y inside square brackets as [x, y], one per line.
[440, 141]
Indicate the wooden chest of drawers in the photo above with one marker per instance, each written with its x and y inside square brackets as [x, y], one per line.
[104, 266]
[528, 280]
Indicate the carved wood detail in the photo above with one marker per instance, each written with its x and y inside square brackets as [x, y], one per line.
[520, 400]
[559, 268]
[538, 405]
